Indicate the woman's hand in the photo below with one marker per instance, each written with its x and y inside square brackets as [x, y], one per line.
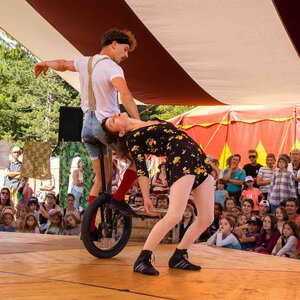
[148, 206]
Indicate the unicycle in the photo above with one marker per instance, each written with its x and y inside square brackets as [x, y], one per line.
[112, 227]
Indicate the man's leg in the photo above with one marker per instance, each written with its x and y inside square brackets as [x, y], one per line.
[118, 201]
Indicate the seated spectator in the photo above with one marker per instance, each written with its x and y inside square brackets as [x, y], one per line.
[55, 223]
[71, 208]
[72, 224]
[282, 185]
[138, 200]
[5, 199]
[162, 201]
[241, 224]
[229, 204]
[45, 208]
[251, 192]
[22, 213]
[281, 217]
[264, 209]
[7, 219]
[249, 236]
[220, 193]
[268, 236]
[159, 184]
[153, 198]
[247, 208]
[291, 206]
[187, 219]
[24, 192]
[224, 236]
[287, 243]
[34, 207]
[31, 224]
[233, 218]
[236, 210]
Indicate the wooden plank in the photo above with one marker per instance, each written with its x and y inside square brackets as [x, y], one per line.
[75, 274]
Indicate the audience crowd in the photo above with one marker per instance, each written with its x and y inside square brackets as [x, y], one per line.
[256, 207]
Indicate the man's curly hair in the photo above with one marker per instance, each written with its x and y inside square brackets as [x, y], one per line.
[119, 35]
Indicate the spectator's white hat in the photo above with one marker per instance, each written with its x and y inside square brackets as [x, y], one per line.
[249, 178]
[16, 149]
[264, 202]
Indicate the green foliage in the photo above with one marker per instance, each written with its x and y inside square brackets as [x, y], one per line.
[29, 107]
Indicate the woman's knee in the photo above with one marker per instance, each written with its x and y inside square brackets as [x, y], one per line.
[173, 218]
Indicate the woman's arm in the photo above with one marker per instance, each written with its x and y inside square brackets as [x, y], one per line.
[229, 240]
[290, 244]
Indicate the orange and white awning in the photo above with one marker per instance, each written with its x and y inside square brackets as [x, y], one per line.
[192, 52]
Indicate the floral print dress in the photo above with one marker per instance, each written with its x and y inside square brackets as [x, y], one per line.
[183, 155]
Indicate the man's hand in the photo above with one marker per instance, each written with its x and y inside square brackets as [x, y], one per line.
[40, 68]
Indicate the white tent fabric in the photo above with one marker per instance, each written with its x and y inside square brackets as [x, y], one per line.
[193, 52]
[238, 51]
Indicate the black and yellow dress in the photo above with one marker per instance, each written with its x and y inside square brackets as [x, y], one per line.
[183, 155]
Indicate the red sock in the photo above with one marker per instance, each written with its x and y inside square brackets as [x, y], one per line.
[90, 200]
[128, 180]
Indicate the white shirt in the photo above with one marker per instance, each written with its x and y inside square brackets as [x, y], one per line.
[105, 94]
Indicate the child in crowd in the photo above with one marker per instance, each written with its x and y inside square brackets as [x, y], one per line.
[287, 243]
[251, 192]
[22, 213]
[282, 184]
[55, 224]
[264, 209]
[249, 236]
[281, 217]
[24, 192]
[153, 199]
[236, 210]
[7, 219]
[31, 224]
[220, 193]
[268, 236]
[187, 219]
[224, 236]
[72, 224]
[241, 225]
[247, 208]
[229, 204]
[34, 207]
[233, 218]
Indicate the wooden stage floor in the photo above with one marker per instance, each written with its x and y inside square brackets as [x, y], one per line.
[58, 267]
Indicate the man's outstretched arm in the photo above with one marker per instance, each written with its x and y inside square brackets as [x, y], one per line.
[59, 65]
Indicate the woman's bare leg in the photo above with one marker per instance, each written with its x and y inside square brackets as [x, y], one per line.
[179, 193]
[204, 201]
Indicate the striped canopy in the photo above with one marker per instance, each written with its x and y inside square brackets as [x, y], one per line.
[192, 52]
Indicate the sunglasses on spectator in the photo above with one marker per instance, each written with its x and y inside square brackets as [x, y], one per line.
[252, 156]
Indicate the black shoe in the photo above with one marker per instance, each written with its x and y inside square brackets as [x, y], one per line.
[122, 206]
[143, 264]
[179, 261]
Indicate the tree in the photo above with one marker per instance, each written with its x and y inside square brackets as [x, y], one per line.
[29, 107]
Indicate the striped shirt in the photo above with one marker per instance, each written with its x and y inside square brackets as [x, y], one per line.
[282, 187]
[265, 173]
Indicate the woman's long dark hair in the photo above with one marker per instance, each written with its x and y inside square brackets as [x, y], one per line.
[113, 138]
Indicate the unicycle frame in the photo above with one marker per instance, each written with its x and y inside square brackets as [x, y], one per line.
[107, 229]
